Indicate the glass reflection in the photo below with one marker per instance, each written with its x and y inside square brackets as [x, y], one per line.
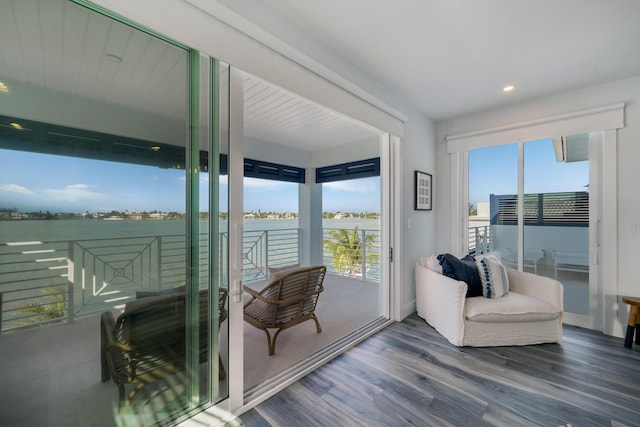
[93, 237]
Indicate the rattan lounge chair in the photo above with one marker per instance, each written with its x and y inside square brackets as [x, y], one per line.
[289, 299]
[147, 341]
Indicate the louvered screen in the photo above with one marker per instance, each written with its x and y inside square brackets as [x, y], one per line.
[352, 170]
[507, 210]
[567, 208]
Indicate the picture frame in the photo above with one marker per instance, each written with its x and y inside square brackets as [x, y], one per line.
[423, 196]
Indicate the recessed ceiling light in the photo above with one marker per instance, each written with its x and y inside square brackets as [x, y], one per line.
[155, 148]
[508, 88]
[114, 58]
[16, 125]
[3, 88]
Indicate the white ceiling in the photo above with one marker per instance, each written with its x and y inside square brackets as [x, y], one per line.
[453, 57]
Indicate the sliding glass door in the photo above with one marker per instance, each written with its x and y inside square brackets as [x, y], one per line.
[492, 171]
[531, 202]
[112, 249]
[556, 215]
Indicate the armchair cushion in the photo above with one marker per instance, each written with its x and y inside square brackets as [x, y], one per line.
[513, 307]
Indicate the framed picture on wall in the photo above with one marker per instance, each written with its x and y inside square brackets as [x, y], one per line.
[423, 193]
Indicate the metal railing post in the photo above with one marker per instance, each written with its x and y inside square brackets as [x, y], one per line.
[477, 241]
[70, 280]
[487, 239]
[364, 254]
[266, 247]
[299, 231]
[159, 263]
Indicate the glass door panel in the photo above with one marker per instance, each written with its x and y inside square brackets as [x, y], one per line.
[213, 228]
[111, 254]
[556, 224]
[492, 202]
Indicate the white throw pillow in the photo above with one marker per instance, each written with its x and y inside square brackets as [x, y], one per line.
[493, 275]
[431, 262]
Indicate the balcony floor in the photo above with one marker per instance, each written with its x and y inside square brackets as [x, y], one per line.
[51, 375]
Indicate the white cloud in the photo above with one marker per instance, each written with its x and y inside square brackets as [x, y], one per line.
[73, 193]
[14, 188]
[265, 184]
[353, 186]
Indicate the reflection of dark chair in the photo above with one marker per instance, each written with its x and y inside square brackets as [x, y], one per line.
[290, 298]
[147, 341]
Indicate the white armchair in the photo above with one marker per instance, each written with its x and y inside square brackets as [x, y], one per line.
[530, 313]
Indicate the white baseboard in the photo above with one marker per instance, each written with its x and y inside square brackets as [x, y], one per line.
[408, 309]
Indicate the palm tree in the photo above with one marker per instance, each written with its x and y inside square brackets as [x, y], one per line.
[347, 250]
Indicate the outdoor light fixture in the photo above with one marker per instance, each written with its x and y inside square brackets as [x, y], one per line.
[16, 125]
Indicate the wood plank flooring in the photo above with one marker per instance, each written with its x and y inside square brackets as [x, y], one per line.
[408, 374]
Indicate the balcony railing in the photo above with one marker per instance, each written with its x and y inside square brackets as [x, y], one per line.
[268, 248]
[480, 240]
[57, 281]
[354, 254]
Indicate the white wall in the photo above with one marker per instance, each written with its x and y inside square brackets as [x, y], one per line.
[418, 227]
[628, 160]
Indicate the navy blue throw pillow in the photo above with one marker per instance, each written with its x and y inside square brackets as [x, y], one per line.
[464, 269]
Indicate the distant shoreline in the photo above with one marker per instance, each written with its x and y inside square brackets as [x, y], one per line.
[167, 216]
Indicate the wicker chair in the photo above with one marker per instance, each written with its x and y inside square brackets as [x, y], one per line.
[289, 299]
[147, 341]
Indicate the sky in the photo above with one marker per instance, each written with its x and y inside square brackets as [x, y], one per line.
[40, 182]
[494, 170]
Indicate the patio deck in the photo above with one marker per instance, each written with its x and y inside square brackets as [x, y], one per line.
[51, 375]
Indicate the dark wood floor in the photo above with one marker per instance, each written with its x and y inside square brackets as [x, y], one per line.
[408, 374]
